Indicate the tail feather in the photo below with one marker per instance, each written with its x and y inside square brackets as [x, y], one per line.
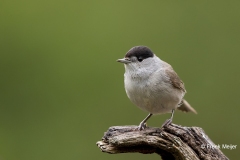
[186, 107]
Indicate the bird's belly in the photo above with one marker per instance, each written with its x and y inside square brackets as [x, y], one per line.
[155, 101]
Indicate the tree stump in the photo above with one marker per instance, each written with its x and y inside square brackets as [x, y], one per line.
[173, 142]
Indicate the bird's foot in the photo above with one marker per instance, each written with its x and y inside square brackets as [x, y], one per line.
[141, 126]
[166, 123]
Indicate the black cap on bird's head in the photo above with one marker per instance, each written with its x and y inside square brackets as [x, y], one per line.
[140, 52]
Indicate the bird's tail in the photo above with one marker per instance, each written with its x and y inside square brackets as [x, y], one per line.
[186, 107]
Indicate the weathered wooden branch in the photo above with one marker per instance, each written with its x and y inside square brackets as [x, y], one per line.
[173, 142]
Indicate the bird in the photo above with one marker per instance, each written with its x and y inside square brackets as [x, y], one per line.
[152, 85]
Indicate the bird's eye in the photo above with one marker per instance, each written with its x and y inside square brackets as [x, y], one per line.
[140, 59]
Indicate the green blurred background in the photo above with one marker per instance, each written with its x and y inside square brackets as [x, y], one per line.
[61, 87]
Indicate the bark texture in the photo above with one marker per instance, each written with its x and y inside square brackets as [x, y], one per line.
[172, 142]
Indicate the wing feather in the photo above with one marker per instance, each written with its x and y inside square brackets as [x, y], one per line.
[174, 79]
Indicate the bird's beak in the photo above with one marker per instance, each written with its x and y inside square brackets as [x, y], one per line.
[124, 60]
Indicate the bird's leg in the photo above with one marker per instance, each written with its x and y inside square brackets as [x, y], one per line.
[143, 125]
[168, 121]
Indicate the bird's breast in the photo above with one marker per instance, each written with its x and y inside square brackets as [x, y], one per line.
[155, 98]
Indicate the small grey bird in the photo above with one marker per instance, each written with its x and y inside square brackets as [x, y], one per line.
[152, 84]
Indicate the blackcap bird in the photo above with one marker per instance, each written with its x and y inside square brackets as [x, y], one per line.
[152, 84]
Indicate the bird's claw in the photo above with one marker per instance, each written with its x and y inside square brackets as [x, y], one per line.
[141, 126]
[166, 123]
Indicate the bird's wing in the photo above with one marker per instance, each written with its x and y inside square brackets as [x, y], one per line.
[174, 79]
[177, 83]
